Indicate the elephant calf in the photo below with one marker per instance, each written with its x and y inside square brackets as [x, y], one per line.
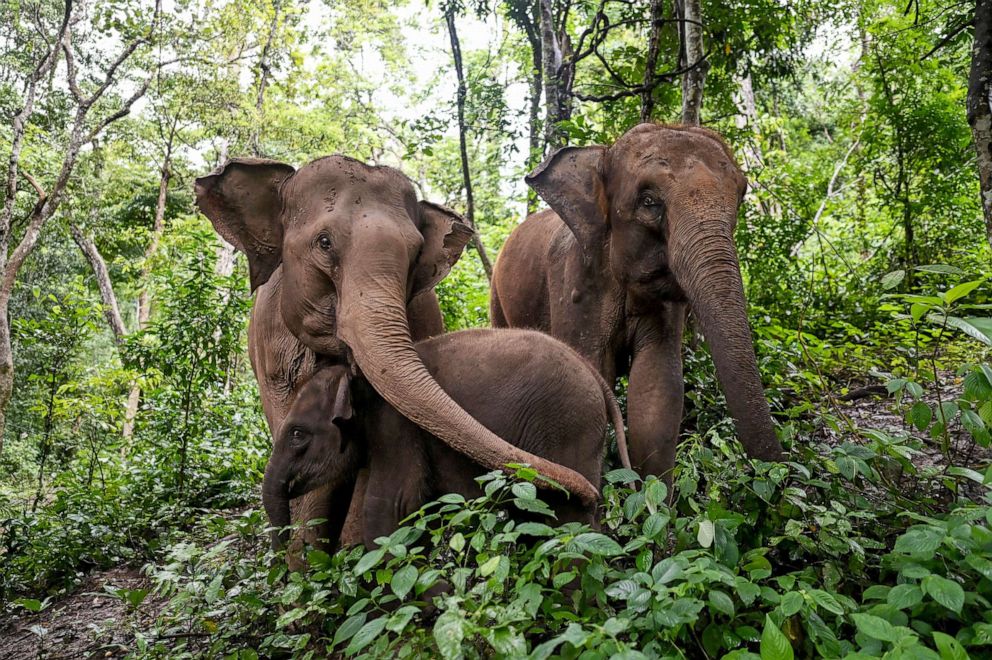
[523, 385]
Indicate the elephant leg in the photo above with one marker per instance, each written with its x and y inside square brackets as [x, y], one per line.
[655, 393]
[351, 533]
[396, 488]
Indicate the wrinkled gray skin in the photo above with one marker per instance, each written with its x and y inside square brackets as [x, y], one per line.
[355, 247]
[523, 385]
[636, 232]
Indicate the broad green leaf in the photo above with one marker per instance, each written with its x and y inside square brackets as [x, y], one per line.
[946, 592]
[920, 415]
[904, 596]
[348, 629]
[403, 581]
[962, 290]
[449, 633]
[979, 328]
[597, 544]
[490, 566]
[399, 619]
[366, 635]
[950, 648]
[892, 280]
[721, 602]
[827, 601]
[369, 560]
[920, 539]
[774, 644]
[875, 627]
[706, 533]
[791, 603]
[943, 269]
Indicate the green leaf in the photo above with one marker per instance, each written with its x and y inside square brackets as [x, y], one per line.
[942, 269]
[597, 544]
[950, 648]
[524, 490]
[827, 601]
[919, 539]
[892, 280]
[490, 566]
[30, 604]
[706, 533]
[366, 635]
[665, 571]
[875, 627]
[348, 629]
[655, 523]
[920, 415]
[621, 475]
[962, 290]
[457, 542]
[904, 596]
[979, 328]
[401, 617]
[403, 581]
[369, 560]
[791, 603]
[774, 644]
[449, 633]
[980, 564]
[946, 592]
[721, 602]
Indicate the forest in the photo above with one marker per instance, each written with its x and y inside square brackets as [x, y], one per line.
[833, 501]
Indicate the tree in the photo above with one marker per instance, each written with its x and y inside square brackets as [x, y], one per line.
[93, 111]
[979, 112]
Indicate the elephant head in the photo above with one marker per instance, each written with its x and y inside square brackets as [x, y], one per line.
[659, 208]
[315, 446]
[355, 247]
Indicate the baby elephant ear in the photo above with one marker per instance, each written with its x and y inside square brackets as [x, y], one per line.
[445, 236]
[342, 398]
[242, 201]
[569, 182]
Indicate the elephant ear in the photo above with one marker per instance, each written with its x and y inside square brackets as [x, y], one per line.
[341, 408]
[569, 182]
[242, 201]
[445, 236]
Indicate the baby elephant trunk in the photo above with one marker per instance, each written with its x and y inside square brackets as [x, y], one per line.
[275, 499]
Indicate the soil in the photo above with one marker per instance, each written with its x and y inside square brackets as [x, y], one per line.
[88, 623]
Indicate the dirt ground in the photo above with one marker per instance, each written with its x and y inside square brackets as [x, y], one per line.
[88, 623]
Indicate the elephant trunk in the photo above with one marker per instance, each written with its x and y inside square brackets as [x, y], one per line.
[373, 322]
[706, 267]
[275, 499]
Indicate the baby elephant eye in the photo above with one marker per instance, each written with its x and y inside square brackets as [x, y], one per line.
[648, 200]
[297, 436]
[324, 242]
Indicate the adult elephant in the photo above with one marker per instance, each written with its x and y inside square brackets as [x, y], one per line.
[636, 232]
[355, 248]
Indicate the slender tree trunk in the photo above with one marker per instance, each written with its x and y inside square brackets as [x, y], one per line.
[651, 61]
[456, 51]
[536, 145]
[979, 113]
[264, 72]
[144, 297]
[111, 310]
[551, 58]
[694, 79]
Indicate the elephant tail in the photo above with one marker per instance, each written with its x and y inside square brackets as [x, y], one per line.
[616, 417]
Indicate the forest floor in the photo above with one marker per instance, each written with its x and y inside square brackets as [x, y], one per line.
[90, 622]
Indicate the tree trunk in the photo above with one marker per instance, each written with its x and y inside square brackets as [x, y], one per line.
[264, 70]
[551, 59]
[694, 78]
[979, 113]
[651, 62]
[144, 297]
[111, 310]
[456, 51]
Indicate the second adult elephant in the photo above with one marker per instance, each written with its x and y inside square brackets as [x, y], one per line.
[531, 389]
[637, 231]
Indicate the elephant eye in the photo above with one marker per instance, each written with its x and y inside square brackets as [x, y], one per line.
[648, 200]
[298, 436]
[324, 242]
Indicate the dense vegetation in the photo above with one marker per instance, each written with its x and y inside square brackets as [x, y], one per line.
[133, 433]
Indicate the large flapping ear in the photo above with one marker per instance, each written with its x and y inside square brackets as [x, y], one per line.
[241, 199]
[569, 182]
[445, 236]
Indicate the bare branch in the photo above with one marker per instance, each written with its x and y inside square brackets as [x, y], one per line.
[42, 195]
[111, 310]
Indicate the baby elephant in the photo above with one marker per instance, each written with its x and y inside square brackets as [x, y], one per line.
[523, 385]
